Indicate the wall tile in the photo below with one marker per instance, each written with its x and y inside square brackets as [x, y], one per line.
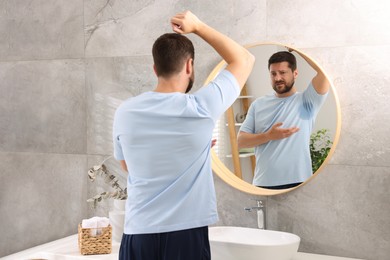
[360, 77]
[248, 23]
[42, 198]
[243, 21]
[109, 82]
[343, 211]
[122, 28]
[41, 29]
[328, 23]
[42, 106]
[231, 208]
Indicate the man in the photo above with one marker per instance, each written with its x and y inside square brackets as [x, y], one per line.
[163, 138]
[279, 125]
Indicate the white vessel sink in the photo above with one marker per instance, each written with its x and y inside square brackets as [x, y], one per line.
[232, 243]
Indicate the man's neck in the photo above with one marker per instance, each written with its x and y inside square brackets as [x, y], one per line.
[170, 85]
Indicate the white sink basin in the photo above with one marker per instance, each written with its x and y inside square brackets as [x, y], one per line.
[233, 243]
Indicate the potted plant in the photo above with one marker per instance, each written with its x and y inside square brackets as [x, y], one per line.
[320, 145]
[119, 194]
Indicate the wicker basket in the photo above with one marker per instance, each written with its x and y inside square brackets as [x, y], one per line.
[94, 245]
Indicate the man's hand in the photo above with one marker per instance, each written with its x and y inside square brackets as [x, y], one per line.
[276, 132]
[185, 22]
[289, 49]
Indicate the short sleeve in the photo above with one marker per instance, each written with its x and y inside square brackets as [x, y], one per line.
[313, 101]
[217, 96]
[118, 153]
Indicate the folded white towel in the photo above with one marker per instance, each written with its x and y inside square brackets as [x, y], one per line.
[95, 223]
[103, 222]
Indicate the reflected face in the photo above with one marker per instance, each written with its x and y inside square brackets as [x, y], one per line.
[282, 77]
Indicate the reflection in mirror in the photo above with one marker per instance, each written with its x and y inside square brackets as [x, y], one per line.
[242, 162]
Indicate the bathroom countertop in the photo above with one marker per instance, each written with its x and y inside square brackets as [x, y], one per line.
[67, 248]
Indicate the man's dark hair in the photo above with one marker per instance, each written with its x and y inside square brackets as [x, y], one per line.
[170, 52]
[283, 56]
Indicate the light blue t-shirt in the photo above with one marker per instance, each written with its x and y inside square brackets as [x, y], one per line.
[284, 161]
[165, 139]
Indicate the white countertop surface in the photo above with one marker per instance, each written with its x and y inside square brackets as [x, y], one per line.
[67, 248]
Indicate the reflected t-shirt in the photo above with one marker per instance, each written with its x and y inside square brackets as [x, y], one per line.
[284, 161]
[165, 139]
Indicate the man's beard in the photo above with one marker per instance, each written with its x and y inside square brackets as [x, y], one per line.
[286, 88]
[190, 84]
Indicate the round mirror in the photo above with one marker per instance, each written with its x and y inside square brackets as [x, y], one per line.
[237, 166]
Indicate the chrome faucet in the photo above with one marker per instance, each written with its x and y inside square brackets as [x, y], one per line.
[260, 213]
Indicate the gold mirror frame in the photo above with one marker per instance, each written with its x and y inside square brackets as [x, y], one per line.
[231, 179]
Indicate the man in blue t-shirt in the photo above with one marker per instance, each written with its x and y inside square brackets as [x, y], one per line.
[279, 125]
[162, 138]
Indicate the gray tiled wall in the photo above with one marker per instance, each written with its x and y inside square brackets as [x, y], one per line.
[65, 65]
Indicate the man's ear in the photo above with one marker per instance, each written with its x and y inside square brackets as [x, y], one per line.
[295, 73]
[189, 66]
[154, 69]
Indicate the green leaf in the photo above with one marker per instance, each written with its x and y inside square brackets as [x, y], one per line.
[320, 146]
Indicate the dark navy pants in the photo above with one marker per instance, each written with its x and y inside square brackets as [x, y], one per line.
[190, 244]
[281, 187]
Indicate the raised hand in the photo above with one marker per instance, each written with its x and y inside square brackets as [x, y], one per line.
[185, 22]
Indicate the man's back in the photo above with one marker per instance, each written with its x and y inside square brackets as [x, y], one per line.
[165, 139]
[164, 144]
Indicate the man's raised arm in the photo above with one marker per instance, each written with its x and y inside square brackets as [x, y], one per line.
[320, 82]
[239, 60]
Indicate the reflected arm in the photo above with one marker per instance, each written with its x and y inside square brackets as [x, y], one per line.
[248, 140]
[320, 82]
